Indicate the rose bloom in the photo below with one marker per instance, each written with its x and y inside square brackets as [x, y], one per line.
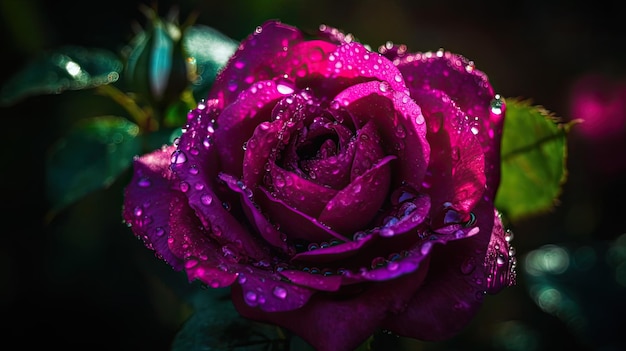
[338, 191]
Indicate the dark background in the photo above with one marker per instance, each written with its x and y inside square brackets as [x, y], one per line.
[82, 280]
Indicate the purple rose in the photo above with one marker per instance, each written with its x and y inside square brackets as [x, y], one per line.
[337, 190]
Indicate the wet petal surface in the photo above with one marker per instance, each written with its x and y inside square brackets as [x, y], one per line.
[147, 203]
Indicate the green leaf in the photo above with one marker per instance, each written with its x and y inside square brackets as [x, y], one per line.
[68, 68]
[534, 152]
[208, 51]
[90, 157]
[216, 325]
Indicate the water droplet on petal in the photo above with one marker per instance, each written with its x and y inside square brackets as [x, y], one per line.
[468, 265]
[178, 157]
[280, 292]
[191, 263]
[425, 249]
[144, 182]
[251, 298]
[383, 87]
[496, 105]
[206, 199]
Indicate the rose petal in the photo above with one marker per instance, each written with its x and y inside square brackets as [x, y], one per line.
[305, 59]
[313, 281]
[457, 168]
[239, 119]
[407, 217]
[254, 215]
[334, 34]
[454, 288]
[338, 252]
[268, 291]
[300, 194]
[401, 124]
[254, 60]
[355, 205]
[195, 163]
[500, 261]
[368, 150]
[147, 201]
[410, 262]
[333, 170]
[296, 224]
[471, 91]
[324, 320]
[353, 60]
[258, 150]
[203, 257]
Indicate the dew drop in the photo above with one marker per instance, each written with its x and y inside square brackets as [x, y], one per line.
[280, 292]
[284, 89]
[206, 199]
[251, 297]
[184, 187]
[191, 263]
[425, 249]
[496, 105]
[393, 266]
[232, 85]
[159, 231]
[178, 157]
[468, 265]
[383, 87]
[144, 182]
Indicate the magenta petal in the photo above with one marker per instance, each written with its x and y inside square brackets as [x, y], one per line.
[409, 215]
[269, 292]
[368, 150]
[313, 281]
[203, 257]
[334, 35]
[470, 90]
[356, 205]
[300, 194]
[147, 202]
[262, 225]
[295, 224]
[258, 151]
[454, 289]
[457, 168]
[337, 252]
[254, 60]
[341, 324]
[413, 260]
[353, 60]
[332, 170]
[195, 163]
[306, 59]
[500, 261]
[401, 124]
[238, 121]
